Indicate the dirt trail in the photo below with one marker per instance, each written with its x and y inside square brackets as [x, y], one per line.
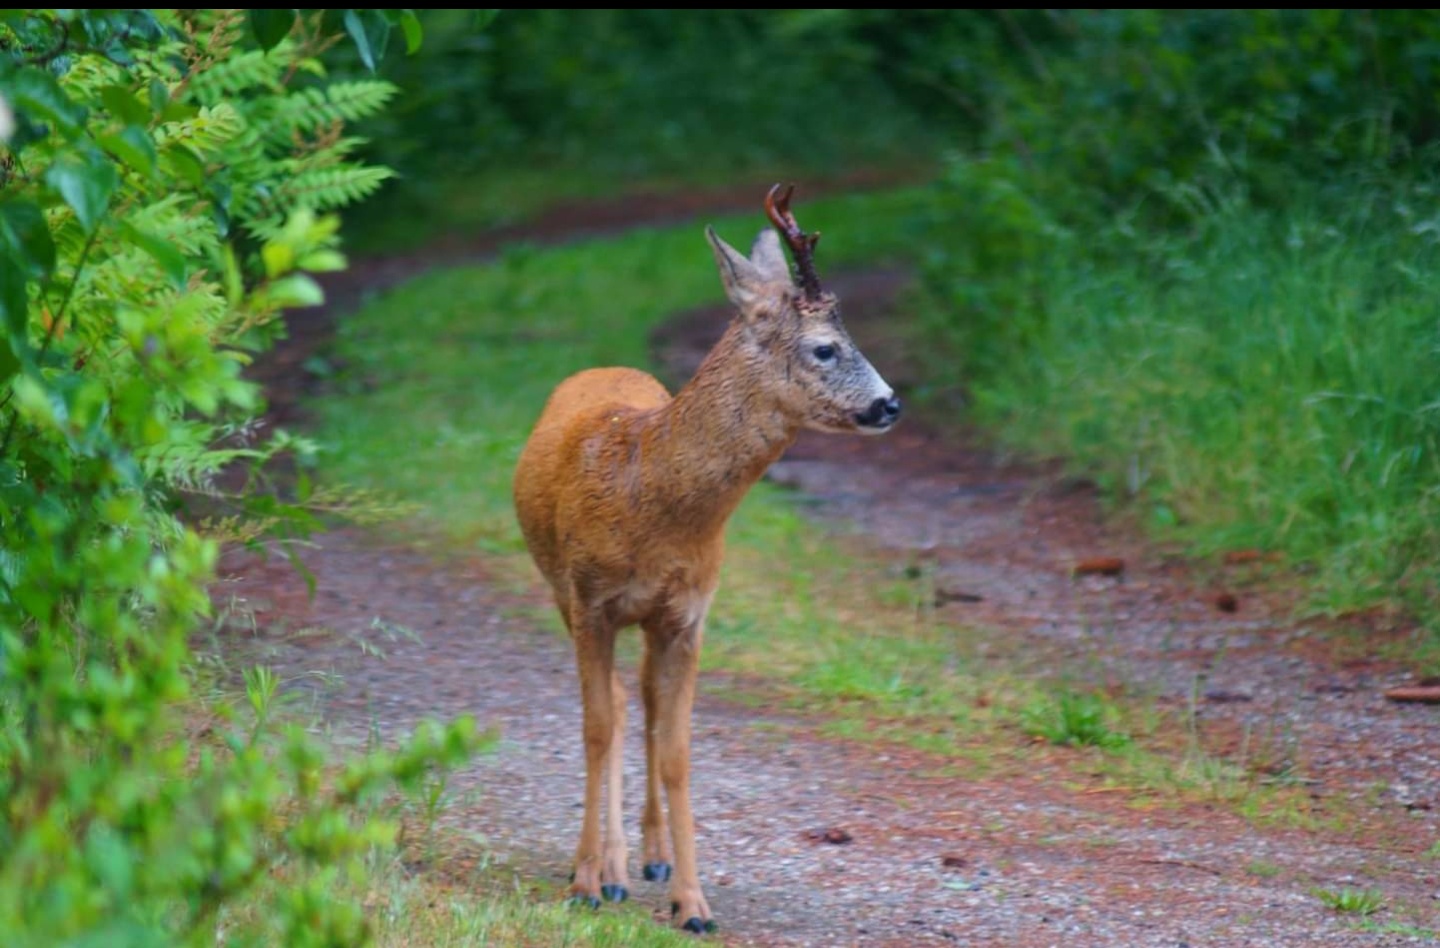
[936, 856]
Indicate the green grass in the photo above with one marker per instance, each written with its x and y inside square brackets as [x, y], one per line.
[417, 912]
[1351, 901]
[1267, 380]
[1082, 720]
[1400, 928]
[484, 906]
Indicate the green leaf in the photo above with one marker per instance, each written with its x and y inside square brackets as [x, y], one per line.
[25, 234]
[184, 163]
[159, 96]
[133, 146]
[233, 279]
[295, 291]
[414, 34]
[178, 110]
[161, 250]
[125, 105]
[370, 32]
[35, 93]
[108, 857]
[278, 258]
[9, 363]
[86, 182]
[271, 26]
[13, 302]
[322, 261]
[301, 568]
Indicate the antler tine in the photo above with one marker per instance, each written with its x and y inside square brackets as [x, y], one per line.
[802, 245]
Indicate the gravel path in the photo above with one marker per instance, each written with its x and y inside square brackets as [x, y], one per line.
[935, 855]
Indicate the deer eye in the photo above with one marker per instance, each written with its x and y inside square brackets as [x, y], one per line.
[824, 353]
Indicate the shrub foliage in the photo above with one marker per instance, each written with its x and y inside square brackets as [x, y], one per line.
[163, 183]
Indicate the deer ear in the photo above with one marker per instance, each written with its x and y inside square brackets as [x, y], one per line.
[741, 278]
[769, 258]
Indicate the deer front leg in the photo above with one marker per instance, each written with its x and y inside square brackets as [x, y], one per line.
[655, 832]
[614, 876]
[672, 661]
[595, 662]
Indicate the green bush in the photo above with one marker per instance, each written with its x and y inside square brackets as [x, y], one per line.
[1190, 253]
[159, 183]
[1267, 381]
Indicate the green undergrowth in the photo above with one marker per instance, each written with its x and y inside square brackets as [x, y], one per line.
[420, 911]
[408, 904]
[437, 384]
[1262, 379]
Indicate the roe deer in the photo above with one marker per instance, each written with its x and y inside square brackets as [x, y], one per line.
[622, 493]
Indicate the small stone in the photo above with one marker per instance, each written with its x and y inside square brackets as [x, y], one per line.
[833, 835]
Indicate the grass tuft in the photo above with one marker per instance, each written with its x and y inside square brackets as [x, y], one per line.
[1351, 901]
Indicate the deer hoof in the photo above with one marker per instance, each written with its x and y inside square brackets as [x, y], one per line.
[700, 927]
[614, 893]
[576, 901]
[657, 872]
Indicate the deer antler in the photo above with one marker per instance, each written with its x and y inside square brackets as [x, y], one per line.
[802, 245]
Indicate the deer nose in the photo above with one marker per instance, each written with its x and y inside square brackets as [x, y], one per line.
[881, 413]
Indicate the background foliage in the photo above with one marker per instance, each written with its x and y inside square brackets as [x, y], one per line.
[1192, 251]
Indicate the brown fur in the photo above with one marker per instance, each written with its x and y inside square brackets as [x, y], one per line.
[622, 494]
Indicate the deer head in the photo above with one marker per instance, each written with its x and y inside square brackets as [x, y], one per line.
[793, 338]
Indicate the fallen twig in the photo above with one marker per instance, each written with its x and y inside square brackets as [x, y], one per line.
[1183, 863]
[1425, 694]
[1100, 566]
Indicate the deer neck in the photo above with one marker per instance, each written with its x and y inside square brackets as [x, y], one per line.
[719, 434]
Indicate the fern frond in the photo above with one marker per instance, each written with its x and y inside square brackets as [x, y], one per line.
[89, 73]
[206, 132]
[237, 74]
[319, 189]
[192, 234]
[341, 101]
[332, 154]
[186, 457]
[324, 188]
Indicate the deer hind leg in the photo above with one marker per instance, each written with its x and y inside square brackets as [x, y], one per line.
[595, 661]
[672, 660]
[614, 877]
